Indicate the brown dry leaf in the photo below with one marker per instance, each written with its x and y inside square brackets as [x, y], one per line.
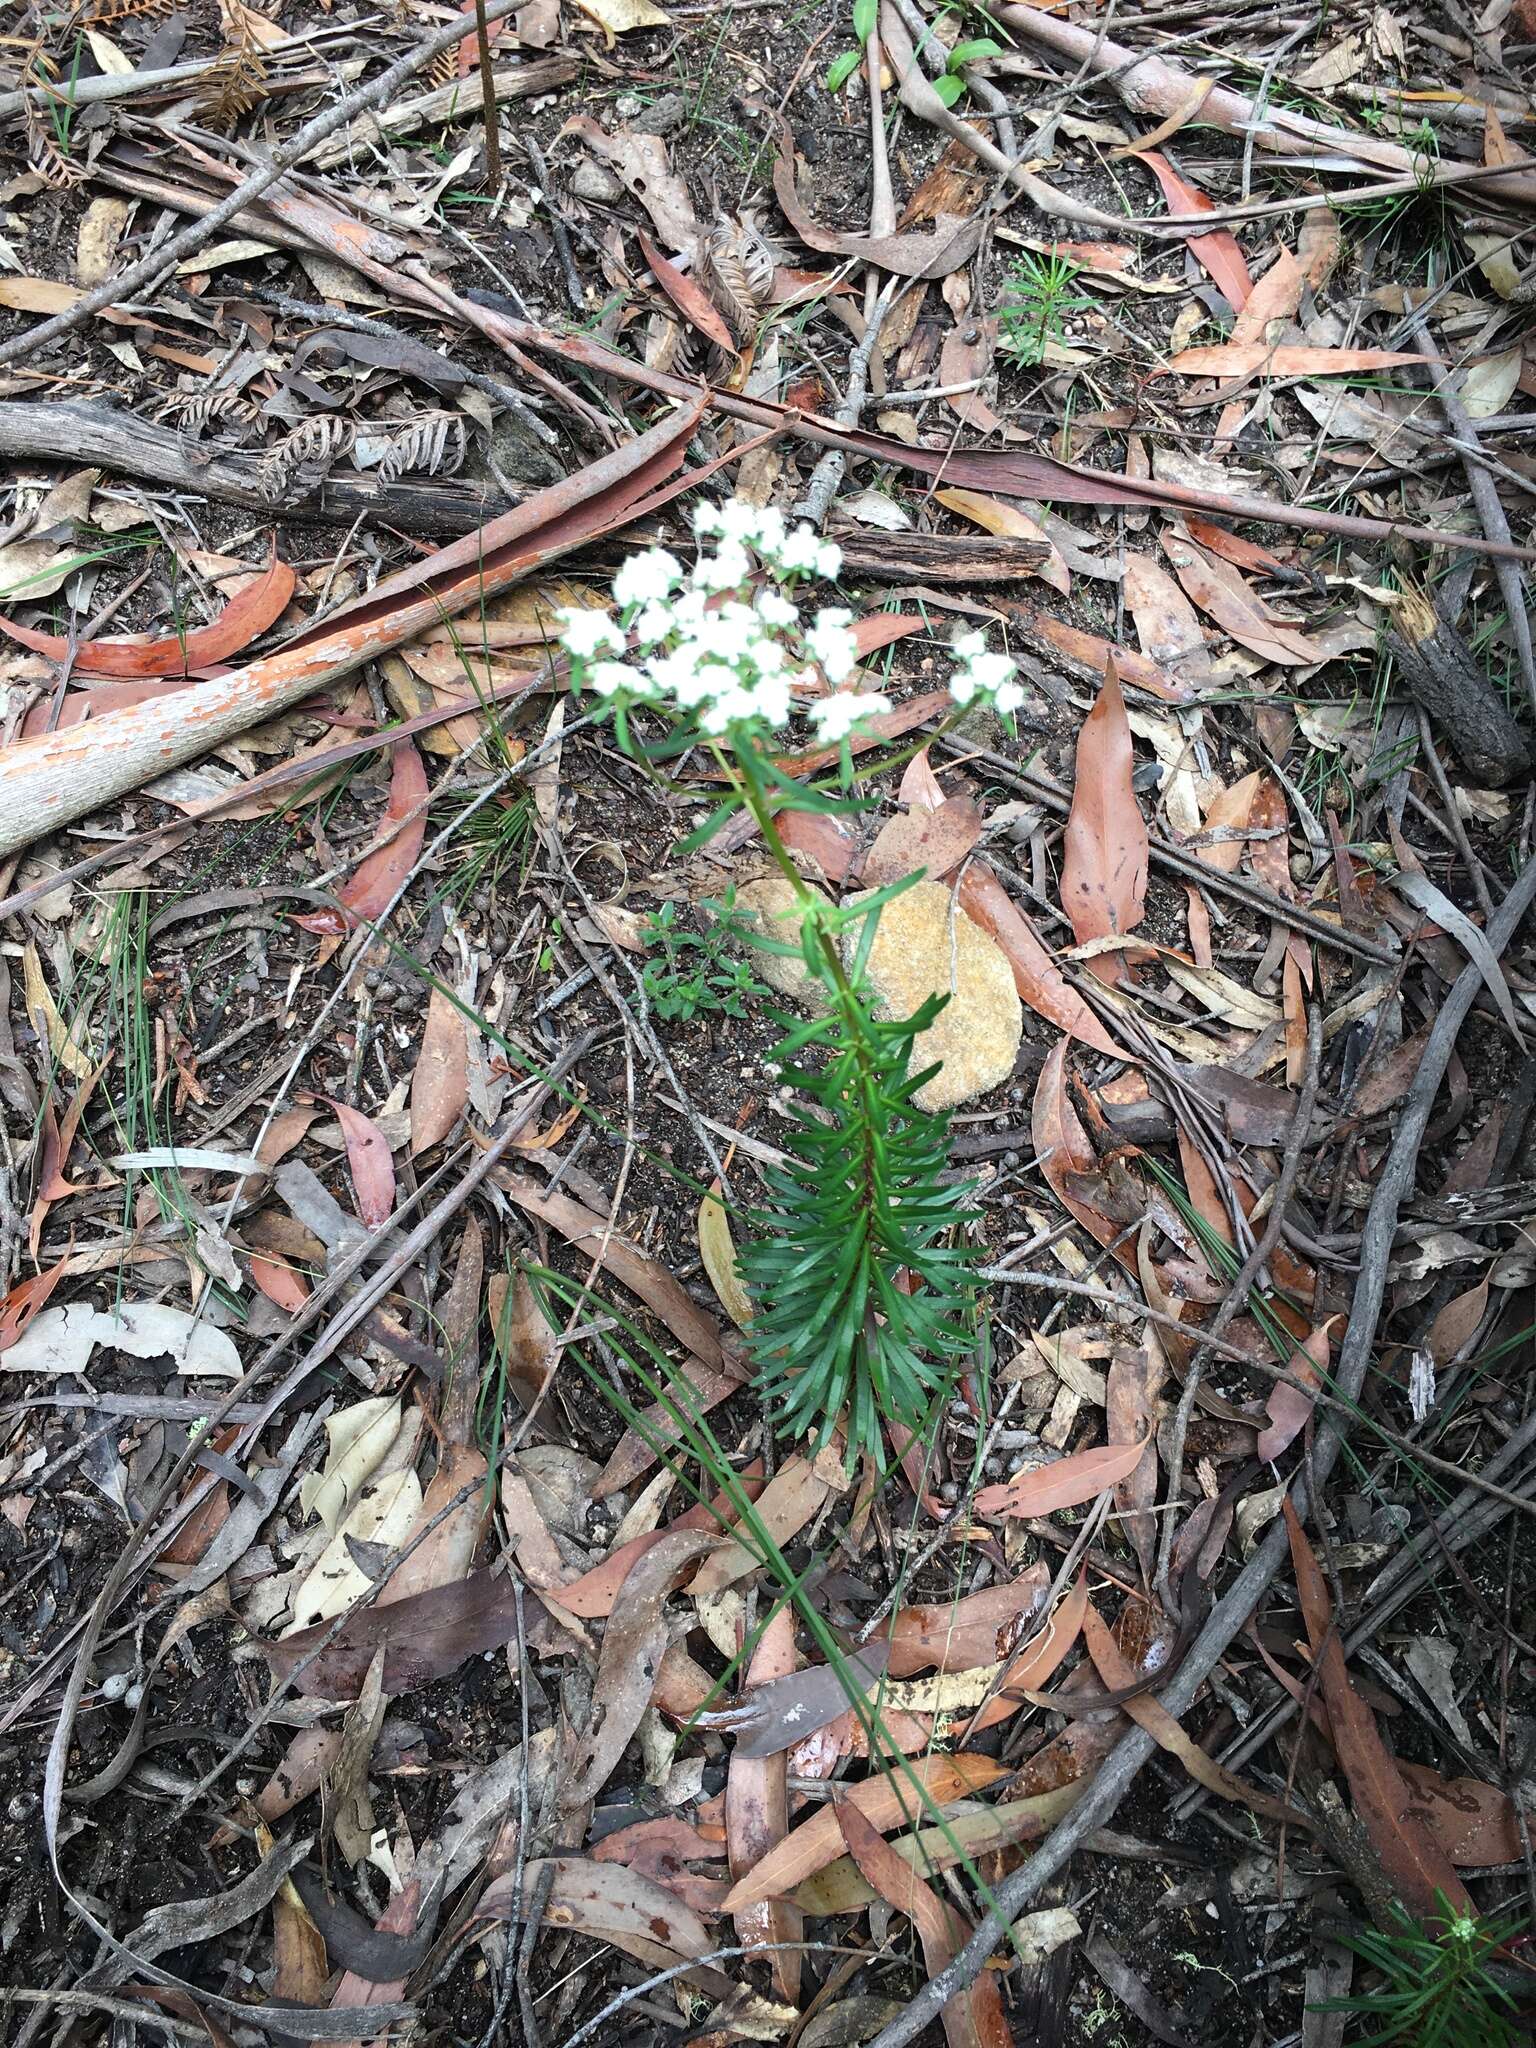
[757, 1817]
[662, 1850]
[615, 1905]
[1167, 629]
[931, 841]
[840, 1888]
[1229, 810]
[1456, 1324]
[1132, 1386]
[638, 1271]
[1166, 1732]
[1071, 1166]
[895, 1799]
[696, 306]
[974, 2017]
[952, 242]
[1104, 868]
[718, 1251]
[1217, 588]
[1270, 858]
[1039, 981]
[965, 1632]
[1416, 1866]
[785, 1505]
[1091, 654]
[1246, 359]
[440, 1081]
[522, 1335]
[1067, 1483]
[994, 515]
[1287, 1407]
[1218, 251]
[634, 1642]
[369, 1162]
[618, 17]
[1474, 1823]
[642, 166]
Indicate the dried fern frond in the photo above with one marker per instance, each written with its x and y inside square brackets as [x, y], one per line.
[737, 272]
[434, 445]
[195, 412]
[314, 445]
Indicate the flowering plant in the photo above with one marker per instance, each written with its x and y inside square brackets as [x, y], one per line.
[860, 1283]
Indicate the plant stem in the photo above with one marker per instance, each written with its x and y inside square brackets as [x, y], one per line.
[488, 99]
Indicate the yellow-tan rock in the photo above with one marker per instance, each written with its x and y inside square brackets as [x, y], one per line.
[925, 945]
[765, 902]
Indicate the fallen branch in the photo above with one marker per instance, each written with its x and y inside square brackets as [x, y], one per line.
[1102, 1798]
[49, 781]
[160, 455]
[1150, 85]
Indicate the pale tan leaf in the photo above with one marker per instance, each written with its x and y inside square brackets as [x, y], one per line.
[718, 1251]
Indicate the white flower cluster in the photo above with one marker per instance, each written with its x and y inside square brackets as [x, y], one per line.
[728, 647]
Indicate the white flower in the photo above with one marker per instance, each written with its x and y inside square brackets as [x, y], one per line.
[830, 641]
[968, 645]
[1010, 697]
[771, 532]
[829, 560]
[608, 678]
[585, 632]
[775, 609]
[654, 624]
[706, 519]
[727, 570]
[962, 686]
[728, 634]
[989, 672]
[836, 716]
[773, 701]
[646, 577]
[800, 550]
[739, 521]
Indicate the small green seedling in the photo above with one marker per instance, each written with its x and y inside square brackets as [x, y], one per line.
[953, 83]
[865, 15]
[1438, 1991]
[695, 971]
[1038, 296]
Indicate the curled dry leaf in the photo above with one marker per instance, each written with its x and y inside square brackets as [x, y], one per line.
[382, 1516]
[256, 607]
[612, 1904]
[1219, 590]
[641, 163]
[1104, 872]
[1132, 1385]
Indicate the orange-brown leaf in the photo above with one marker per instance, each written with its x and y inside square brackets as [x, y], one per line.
[1066, 1484]
[1414, 1862]
[1104, 872]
